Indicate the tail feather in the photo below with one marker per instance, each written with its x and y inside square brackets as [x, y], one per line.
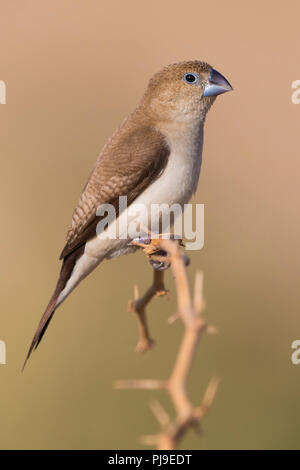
[65, 273]
[45, 320]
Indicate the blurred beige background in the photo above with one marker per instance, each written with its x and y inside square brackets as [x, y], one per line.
[73, 70]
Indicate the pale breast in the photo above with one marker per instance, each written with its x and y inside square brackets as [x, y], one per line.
[181, 175]
[176, 185]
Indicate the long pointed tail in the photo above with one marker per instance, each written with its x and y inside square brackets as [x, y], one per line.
[65, 274]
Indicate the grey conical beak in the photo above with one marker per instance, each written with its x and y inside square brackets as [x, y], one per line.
[216, 85]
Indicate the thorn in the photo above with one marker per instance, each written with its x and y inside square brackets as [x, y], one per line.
[149, 440]
[147, 384]
[162, 293]
[209, 397]
[160, 413]
[212, 330]
[172, 319]
[198, 293]
[135, 292]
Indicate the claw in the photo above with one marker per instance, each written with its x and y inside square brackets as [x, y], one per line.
[141, 241]
[157, 257]
[158, 265]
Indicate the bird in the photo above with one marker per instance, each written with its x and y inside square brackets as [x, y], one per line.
[154, 157]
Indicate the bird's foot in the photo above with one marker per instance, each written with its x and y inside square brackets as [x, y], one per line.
[158, 258]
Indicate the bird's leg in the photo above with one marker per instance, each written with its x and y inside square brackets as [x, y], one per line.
[138, 305]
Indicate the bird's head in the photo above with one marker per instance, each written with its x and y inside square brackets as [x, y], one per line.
[184, 91]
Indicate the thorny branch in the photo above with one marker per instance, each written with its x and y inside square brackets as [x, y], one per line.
[190, 310]
[139, 304]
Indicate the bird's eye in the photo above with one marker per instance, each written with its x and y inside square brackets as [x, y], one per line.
[191, 78]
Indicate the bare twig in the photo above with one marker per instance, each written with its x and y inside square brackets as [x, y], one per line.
[190, 310]
[139, 304]
[147, 384]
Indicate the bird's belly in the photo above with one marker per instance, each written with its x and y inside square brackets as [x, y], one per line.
[175, 186]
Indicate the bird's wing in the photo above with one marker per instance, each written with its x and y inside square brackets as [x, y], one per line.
[126, 167]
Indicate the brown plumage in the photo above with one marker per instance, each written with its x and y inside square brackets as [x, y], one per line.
[127, 171]
[133, 158]
[65, 272]
[158, 146]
